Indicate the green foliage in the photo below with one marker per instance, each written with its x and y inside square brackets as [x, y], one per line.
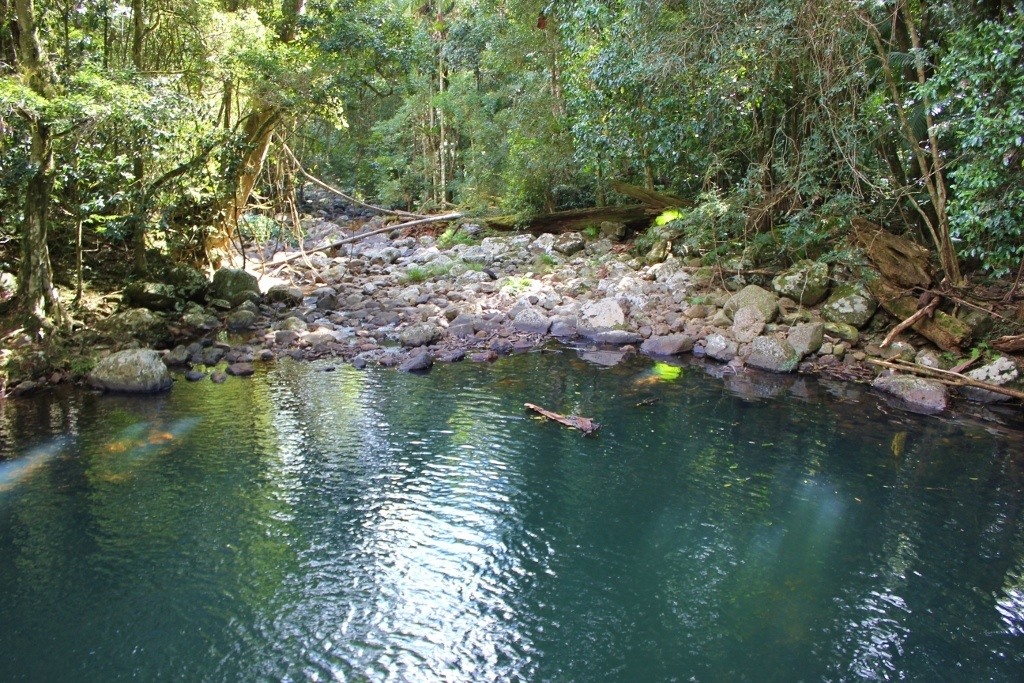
[453, 236]
[423, 273]
[981, 82]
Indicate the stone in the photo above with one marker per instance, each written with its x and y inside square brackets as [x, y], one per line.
[720, 348]
[195, 375]
[241, 320]
[230, 282]
[806, 338]
[178, 356]
[418, 363]
[189, 283]
[616, 337]
[135, 370]
[453, 356]
[920, 395]
[850, 304]
[1000, 372]
[219, 377]
[752, 295]
[544, 244]
[569, 243]
[141, 323]
[747, 324]
[292, 324]
[155, 296]
[772, 354]
[240, 369]
[668, 345]
[599, 316]
[532, 320]
[848, 333]
[806, 282]
[612, 230]
[285, 337]
[420, 334]
[563, 326]
[286, 294]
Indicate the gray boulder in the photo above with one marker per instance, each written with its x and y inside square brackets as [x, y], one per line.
[532, 320]
[720, 348]
[241, 319]
[772, 354]
[668, 345]
[999, 372]
[190, 283]
[141, 323]
[919, 394]
[748, 323]
[420, 334]
[616, 337]
[752, 295]
[806, 282]
[807, 338]
[135, 370]
[569, 243]
[850, 304]
[418, 363]
[286, 294]
[229, 283]
[598, 316]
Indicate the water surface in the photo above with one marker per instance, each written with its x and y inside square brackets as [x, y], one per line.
[310, 525]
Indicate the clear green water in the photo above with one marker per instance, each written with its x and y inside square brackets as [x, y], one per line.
[308, 525]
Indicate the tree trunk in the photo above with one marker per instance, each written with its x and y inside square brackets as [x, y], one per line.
[36, 295]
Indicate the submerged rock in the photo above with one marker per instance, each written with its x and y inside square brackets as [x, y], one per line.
[135, 370]
[669, 345]
[418, 363]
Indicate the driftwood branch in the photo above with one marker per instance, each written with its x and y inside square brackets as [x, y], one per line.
[947, 377]
[909, 322]
[584, 424]
[1010, 343]
[316, 181]
[388, 228]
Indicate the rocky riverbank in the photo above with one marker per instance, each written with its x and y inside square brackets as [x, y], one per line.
[410, 301]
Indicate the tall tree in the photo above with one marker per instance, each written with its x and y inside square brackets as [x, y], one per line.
[37, 297]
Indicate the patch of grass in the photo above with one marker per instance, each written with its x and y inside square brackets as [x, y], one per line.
[423, 273]
[543, 262]
[453, 236]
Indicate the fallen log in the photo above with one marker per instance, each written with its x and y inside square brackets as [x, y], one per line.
[584, 424]
[1010, 343]
[632, 216]
[928, 310]
[945, 331]
[387, 228]
[947, 377]
[661, 200]
[900, 260]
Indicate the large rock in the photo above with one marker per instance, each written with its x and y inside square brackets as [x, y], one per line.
[772, 354]
[748, 323]
[850, 304]
[230, 283]
[141, 323]
[720, 348]
[919, 394]
[807, 338]
[752, 295]
[286, 294]
[569, 243]
[190, 283]
[532, 320]
[806, 282]
[668, 345]
[599, 316]
[135, 370]
[420, 334]
[155, 296]
[999, 372]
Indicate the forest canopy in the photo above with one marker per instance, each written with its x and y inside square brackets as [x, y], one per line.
[155, 127]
